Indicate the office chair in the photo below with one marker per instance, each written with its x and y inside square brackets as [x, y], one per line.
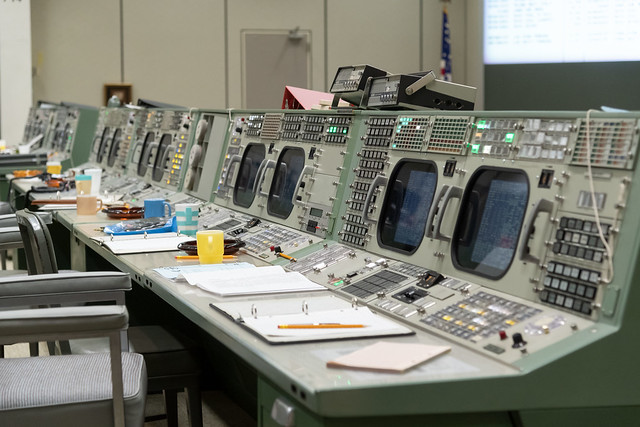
[7, 219]
[171, 359]
[10, 238]
[101, 389]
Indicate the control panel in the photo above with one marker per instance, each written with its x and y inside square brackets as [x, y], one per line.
[113, 136]
[38, 122]
[479, 227]
[69, 137]
[159, 152]
[287, 167]
[205, 154]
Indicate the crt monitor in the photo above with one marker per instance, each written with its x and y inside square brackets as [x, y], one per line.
[285, 182]
[145, 154]
[160, 163]
[406, 206]
[243, 192]
[115, 147]
[489, 221]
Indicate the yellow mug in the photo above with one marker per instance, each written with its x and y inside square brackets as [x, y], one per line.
[54, 168]
[210, 246]
[87, 204]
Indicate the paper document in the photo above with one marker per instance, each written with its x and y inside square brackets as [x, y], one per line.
[177, 272]
[139, 243]
[251, 281]
[388, 357]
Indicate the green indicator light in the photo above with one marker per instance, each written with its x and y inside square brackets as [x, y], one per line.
[338, 283]
[482, 124]
[475, 148]
[394, 145]
[345, 130]
[509, 137]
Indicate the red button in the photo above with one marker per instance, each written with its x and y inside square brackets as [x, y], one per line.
[503, 335]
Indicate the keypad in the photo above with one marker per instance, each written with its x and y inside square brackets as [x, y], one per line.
[570, 287]
[382, 281]
[579, 239]
[480, 316]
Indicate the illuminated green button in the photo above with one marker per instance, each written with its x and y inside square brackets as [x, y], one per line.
[475, 148]
[509, 137]
[482, 124]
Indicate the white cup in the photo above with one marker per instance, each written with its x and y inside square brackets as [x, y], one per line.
[187, 218]
[95, 174]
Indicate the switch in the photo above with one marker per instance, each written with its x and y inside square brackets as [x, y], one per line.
[503, 335]
[518, 341]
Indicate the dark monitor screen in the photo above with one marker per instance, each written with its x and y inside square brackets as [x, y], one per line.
[145, 153]
[65, 138]
[160, 163]
[285, 180]
[491, 215]
[406, 206]
[102, 146]
[115, 147]
[252, 158]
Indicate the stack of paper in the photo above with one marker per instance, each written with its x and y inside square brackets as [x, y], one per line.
[388, 357]
[251, 281]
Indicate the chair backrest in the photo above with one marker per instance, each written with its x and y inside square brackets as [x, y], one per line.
[38, 246]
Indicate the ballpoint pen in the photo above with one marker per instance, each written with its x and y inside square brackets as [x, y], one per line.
[319, 326]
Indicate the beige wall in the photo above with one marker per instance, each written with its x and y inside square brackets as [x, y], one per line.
[190, 52]
[76, 48]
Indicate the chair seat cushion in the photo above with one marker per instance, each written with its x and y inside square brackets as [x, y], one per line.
[62, 380]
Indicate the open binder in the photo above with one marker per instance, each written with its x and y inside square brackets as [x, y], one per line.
[142, 243]
[321, 315]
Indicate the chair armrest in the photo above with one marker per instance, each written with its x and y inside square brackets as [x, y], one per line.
[9, 219]
[10, 237]
[60, 288]
[61, 322]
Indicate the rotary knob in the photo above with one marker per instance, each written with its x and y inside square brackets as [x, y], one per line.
[518, 341]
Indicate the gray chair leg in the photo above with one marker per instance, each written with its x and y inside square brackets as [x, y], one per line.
[65, 347]
[51, 345]
[33, 349]
[195, 406]
[171, 407]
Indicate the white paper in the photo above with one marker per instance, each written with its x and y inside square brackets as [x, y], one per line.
[176, 272]
[251, 281]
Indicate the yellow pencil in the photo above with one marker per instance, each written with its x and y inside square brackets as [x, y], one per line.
[319, 326]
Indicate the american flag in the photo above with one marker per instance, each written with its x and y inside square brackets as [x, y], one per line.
[445, 56]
